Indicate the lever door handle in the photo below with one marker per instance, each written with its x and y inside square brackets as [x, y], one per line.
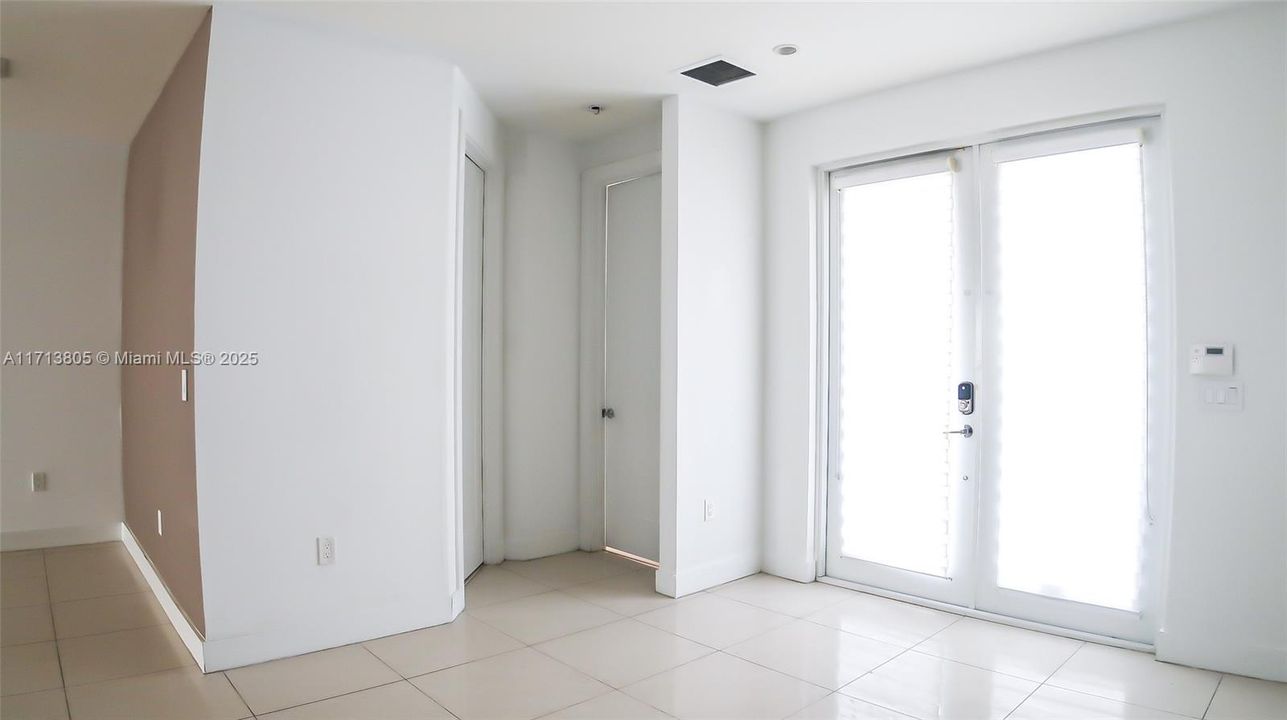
[608, 413]
[965, 431]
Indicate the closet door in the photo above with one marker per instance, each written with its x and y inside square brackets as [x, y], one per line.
[632, 366]
[472, 365]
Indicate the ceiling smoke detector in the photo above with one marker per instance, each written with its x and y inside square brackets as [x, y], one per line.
[786, 49]
[717, 72]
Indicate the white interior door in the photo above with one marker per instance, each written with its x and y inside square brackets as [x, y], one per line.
[900, 497]
[1044, 511]
[472, 293]
[632, 327]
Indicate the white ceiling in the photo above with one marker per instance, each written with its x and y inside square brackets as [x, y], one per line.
[89, 69]
[97, 67]
[542, 63]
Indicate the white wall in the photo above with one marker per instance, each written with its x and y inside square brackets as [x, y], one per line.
[711, 344]
[1221, 83]
[326, 243]
[62, 211]
[542, 276]
[630, 142]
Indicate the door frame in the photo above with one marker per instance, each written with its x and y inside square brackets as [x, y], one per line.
[464, 425]
[1162, 353]
[594, 186]
[492, 403]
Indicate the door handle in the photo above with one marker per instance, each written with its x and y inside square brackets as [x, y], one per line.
[965, 431]
[608, 413]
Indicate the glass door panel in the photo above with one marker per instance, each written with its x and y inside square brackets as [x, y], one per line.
[1065, 523]
[897, 335]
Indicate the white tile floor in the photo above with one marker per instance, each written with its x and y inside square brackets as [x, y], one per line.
[583, 636]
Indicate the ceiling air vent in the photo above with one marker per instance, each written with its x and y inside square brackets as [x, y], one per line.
[717, 72]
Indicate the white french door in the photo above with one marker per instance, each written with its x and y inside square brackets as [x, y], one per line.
[1007, 288]
[904, 273]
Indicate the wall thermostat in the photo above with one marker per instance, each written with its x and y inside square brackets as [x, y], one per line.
[1211, 359]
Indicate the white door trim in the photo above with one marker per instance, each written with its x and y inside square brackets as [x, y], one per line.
[594, 185]
[493, 496]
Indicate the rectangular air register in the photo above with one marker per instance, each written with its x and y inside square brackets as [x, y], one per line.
[717, 72]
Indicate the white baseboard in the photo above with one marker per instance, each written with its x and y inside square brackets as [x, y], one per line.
[59, 537]
[1223, 654]
[703, 577]
[191, 639]
[289, 638]
[542, 545]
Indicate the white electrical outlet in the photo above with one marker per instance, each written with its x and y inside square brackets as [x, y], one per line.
[708, 510]
[39, 482]
[160, 529]
[325, 551]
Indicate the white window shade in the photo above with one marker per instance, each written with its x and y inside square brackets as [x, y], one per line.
[895, 374]
[1071, 375]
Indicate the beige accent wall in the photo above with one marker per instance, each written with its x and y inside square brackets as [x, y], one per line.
[157, 316]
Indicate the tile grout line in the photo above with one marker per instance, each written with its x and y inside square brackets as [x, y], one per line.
[238, 693]
[648, 677]
[432, 699]
[723, 651]
[319, 700]
[1219, 682]
[532, 646]
[1000, 672]
[1043, 682]
[645, 702]
[904, 652]
[525, 646]
[58, 653]
[518, 640]
[57, 641]
[54, 623]
[1087, 693]
[578, 671]
[407, 680]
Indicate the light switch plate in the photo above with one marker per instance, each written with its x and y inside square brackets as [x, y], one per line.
[39, 482]
[1225, 396]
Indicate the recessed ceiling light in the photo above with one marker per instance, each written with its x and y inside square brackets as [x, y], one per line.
[786, 49]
